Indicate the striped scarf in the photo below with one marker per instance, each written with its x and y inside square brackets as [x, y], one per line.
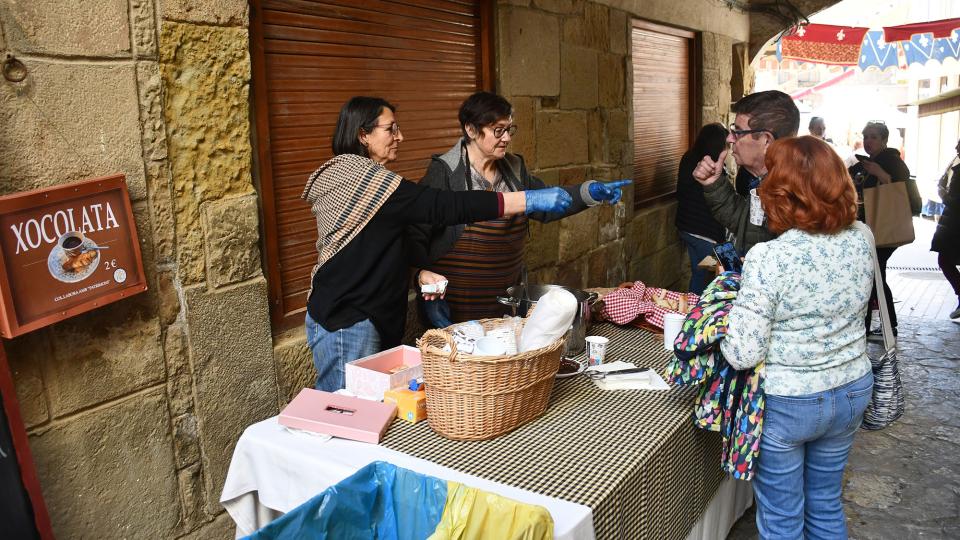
[345, 193]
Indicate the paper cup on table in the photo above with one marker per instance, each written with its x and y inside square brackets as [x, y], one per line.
[672, 324]
[596, 349]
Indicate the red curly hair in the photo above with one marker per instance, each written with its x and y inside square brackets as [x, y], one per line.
[807, 188]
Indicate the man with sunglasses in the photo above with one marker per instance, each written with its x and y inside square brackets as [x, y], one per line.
[760, 119]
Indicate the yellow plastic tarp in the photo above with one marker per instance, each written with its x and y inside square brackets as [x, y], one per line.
[472, 513]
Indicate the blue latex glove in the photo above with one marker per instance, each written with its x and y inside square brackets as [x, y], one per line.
[552, 199]
[608, 191]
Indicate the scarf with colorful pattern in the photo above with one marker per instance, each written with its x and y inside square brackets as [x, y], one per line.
[728, 401]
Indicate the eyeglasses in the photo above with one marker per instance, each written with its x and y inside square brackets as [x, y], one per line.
[881, 122]
[739, 133]
[392, 127]
[500, 130]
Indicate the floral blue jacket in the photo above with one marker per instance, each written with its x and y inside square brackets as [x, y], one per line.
[728, 400]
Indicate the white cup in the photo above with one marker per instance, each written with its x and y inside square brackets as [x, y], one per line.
[489, 346]
[596, 349]
[469, 329]
[672, 324]
[507, 336]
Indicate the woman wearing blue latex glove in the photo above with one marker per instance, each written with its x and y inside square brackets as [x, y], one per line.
[482, 259]
[357, 304]
[608, 191]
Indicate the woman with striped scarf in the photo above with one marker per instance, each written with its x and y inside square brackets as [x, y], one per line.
[357, 300]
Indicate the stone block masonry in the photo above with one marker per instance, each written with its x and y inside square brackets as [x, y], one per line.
[133, 410]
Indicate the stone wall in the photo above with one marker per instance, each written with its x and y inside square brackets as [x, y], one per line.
[566, 68]
[133, 410]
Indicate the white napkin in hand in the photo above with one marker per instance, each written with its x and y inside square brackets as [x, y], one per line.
[645, 380]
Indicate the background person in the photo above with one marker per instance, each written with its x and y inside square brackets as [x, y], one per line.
[882, 166]
[698, 230]
[761, 118]
[483, 259]
[946, 239]
[805, 323]
[818, 128]
[357, 303]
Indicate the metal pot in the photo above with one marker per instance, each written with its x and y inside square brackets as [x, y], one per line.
[522, 300]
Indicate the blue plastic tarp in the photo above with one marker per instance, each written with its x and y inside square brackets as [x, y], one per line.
[379, 501]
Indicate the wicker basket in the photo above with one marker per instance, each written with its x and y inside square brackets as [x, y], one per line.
[473, 398]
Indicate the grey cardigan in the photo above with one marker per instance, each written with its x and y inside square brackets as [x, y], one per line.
[428, 243]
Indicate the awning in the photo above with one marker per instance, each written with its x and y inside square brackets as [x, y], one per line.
[916, 43]
[943, 103]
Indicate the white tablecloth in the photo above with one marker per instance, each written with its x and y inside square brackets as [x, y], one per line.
[274, 470]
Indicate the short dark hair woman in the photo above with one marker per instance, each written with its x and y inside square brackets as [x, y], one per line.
[357, 301]
[698, 229]
[485, 258]
[799, 311]
[882, 166]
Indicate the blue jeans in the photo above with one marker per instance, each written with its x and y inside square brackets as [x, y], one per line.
[803, 451]
[697, 249]
[332, 350]
[436, 312]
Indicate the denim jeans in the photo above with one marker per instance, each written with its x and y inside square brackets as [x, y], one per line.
[436, 312]
[332, 350]
[803, 451]
[697, 249]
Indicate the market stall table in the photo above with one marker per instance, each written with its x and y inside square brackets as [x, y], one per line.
[632, 456]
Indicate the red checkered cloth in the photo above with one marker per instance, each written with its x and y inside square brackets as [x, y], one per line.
[624, 305]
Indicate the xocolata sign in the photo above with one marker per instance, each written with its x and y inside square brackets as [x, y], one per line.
[66, 250]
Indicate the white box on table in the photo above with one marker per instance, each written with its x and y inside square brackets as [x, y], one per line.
[369, 377]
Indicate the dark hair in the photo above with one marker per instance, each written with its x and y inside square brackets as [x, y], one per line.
[711, 140]
[482, 109]
[808, 187]
[880, 127]
[359, 113]
[814, 120]
[771, 110]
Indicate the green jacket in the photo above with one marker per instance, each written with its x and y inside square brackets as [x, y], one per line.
[733, 212]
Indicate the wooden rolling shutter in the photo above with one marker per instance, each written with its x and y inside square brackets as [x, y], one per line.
[664, 72]
[309, 57]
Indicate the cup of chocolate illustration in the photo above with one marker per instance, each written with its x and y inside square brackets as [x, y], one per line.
[72, 243]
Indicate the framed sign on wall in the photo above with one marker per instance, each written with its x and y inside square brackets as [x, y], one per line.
[66, 250]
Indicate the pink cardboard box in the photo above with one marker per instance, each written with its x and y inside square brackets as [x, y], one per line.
[341, 416]
[369, 377]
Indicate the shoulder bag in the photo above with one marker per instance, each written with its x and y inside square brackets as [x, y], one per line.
[887, 403]
[888, 211]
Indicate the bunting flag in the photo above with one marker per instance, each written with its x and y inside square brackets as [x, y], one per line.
[905, 32]
[824, 44]
[876, 52]
[925, 47]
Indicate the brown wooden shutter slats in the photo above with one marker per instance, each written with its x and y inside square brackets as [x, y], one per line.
[382, 13]
[309, 57]
[662, 110]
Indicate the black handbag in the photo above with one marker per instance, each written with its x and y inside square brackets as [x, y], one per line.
[887, 403]
[913, 193]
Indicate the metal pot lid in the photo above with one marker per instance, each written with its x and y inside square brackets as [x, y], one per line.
[534, 292]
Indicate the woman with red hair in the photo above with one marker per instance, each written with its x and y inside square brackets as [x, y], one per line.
[800, 311]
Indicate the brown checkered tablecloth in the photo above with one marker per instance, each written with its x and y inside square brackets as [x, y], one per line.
[633, 456]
